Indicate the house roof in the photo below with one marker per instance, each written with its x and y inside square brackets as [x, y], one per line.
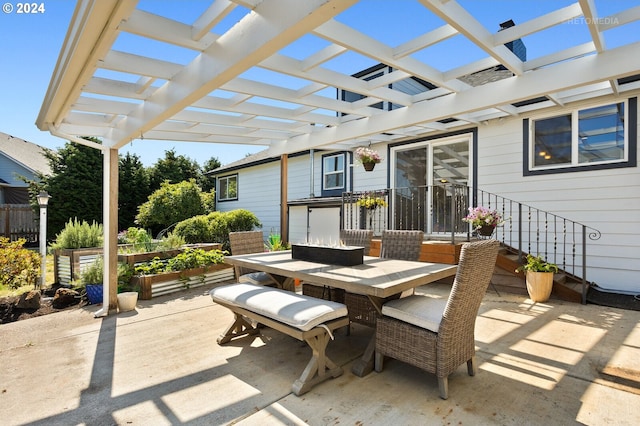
[25, 153]
[265, 72]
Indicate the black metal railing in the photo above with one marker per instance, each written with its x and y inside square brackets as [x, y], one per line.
[438, 210]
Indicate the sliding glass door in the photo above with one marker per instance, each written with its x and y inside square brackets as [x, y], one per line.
[428, 182]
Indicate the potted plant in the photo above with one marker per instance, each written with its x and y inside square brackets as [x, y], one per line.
[539, 277]
[368, 157]
[127, 293]
[91, 278]
[483, 220]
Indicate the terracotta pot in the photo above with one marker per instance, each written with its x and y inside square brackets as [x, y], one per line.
[539, 285]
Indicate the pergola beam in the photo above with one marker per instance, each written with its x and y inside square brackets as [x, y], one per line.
[257, 36]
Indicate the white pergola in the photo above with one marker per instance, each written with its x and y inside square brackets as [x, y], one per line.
[265, 72]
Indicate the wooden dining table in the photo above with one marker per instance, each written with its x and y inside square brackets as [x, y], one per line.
[377, 278]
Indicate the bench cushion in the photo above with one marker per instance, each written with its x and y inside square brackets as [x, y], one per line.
[422, 311]
[299, 311]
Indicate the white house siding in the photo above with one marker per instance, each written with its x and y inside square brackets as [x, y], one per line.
[607, 200]
[258, 192]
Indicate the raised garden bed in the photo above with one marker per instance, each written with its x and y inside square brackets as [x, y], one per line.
[168, 282]
[69, 263]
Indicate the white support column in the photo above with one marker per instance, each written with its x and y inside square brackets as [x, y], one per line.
[110, 229]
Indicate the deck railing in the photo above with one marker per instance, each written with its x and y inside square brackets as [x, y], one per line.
[438, 210]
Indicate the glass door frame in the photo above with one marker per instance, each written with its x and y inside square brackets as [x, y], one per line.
[469, 136]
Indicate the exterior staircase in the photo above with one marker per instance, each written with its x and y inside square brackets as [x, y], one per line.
[439, 210]
[506, 279]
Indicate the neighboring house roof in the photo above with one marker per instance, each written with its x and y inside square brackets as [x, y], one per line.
[25, 153]
[260, 157]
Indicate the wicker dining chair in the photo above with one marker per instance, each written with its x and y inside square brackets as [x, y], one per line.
[348, 237]
[247, 242]
[402, 245]
[437, 335]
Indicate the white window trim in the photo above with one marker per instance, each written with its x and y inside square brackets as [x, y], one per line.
[227, 179]
[343, 172]
[575, 138]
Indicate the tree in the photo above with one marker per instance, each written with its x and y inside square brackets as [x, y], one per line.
[75, 185]
[171, 204]
[208, 182]
[133, 189]
[173, 168]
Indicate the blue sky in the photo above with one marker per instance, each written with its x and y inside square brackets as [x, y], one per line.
[31, 44]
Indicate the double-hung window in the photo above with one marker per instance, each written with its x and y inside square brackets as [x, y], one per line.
[592, 138]
[228, 188]
[333, 174]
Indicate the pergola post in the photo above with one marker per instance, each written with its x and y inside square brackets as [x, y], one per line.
[110, 229]
[284, 218]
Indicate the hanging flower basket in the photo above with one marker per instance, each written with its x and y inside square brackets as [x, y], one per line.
[368, 157]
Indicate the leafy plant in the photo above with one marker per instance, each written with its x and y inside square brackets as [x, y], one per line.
[93, 274]
[79, 234]
[18, 265]
[274, 243]
[171, 241]
[195, 258]
[139, 238]
[189, 259]
[537, 264]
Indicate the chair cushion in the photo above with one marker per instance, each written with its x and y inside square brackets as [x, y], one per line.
[297, 310]
[257, 278]
[421, 311]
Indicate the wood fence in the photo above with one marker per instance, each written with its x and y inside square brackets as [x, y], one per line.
[18, 221]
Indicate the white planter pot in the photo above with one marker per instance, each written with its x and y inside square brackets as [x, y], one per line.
[127, 301]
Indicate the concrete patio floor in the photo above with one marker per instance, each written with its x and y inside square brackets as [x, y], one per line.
[552, 363]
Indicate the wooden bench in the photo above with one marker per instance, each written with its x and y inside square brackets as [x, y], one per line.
[303, 317]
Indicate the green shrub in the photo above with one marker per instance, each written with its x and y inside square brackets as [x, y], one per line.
[172, 203]
[215, 226]
[194, 230]
[18, 265]
[78, 234]
[241, 220]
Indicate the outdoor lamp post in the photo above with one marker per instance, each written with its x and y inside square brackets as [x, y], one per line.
[43, 200]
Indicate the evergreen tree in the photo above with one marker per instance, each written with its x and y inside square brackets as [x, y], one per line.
[75, 185]
[174, 169]
[208, 182]
[133, 189]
